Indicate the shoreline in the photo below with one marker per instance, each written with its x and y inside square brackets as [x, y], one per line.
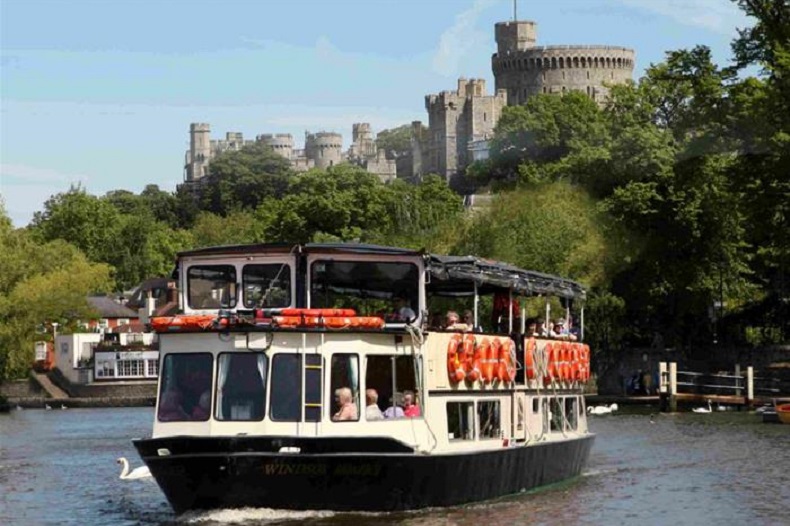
[40, 402]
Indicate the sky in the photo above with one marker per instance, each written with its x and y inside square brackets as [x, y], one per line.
[101, 93]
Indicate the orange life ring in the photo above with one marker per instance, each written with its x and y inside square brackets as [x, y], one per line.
[454, 367]
[468, 346]
[475, 371]
[575, 363]
[506, 369]
[291, 311]
[552, 366]
[487, 353]
[529, 359]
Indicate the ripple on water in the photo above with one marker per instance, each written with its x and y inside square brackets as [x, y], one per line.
[58, 467]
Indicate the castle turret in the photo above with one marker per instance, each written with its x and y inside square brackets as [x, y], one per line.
[281, 143]
[325, 149]
[524, 70]
[199, 154]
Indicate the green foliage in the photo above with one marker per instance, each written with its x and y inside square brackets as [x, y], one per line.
[40, 282]
[241, 180]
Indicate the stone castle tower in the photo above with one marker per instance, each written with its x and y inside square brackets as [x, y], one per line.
[199, 153]
[524, 69]
[325, 148]
[455, 120]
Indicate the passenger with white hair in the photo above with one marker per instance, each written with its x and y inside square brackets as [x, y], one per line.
[347, 409]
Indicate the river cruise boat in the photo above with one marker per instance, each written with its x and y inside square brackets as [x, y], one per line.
[319, 376]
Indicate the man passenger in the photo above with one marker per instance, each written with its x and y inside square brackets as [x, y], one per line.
[403, 310]
[372, 411]
[394, 410]
[347, 408]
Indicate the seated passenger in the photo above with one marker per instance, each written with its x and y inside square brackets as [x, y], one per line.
[394, 410]
[436, 322]
[372, 411]
[203, 409]
[410, 409]
[403, 310]
[469, 321]
[532, 328]
[347, 409]
[170, 407]
[542, 330]
[452, 322]
[559, 330]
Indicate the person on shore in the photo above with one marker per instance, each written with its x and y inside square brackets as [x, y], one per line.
[372, 411]
[347, 409]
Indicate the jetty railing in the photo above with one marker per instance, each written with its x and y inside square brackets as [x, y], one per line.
[734, 389]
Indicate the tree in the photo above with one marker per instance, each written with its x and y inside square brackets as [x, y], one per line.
[87, 222]
[40, 282]
[243, 179]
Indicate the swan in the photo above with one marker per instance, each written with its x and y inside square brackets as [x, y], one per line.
[48, 407]
[137, 473]
[599, 410]
[613, 408]
[63, 406]
[709, 409]
[18, 407]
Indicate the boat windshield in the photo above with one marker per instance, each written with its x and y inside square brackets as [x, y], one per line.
[186, 387]
[372, 288]
[267, 285]
[211, 286]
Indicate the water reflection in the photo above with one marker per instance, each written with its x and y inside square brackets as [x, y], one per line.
[58, 467]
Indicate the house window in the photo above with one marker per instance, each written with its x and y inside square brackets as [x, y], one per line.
[241, 386]
[488, 419]
[130, 368]
[460, 421]
[153, 367]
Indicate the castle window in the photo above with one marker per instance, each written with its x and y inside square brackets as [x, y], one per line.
[584, 62]
[575, 62]
[562, 65]
[484, 116]
[563, 75]
[554, 63]
[563, 89]
[588, 75]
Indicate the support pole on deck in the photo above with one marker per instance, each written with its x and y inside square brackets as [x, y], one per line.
[663, 380]
[673, 387]
[739, 380]
[749, 385]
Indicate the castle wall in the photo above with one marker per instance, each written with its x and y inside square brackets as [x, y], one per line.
[281, 143]
[325, 149]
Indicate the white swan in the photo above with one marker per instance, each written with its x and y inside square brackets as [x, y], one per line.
[709, 409]
[48, 407]
[602, 409]
[137, 473]
[63, 406]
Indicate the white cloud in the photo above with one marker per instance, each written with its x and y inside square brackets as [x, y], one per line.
[719, 16]
[463, 37]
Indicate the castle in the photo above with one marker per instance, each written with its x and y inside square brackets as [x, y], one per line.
[321, 150]
[460, 122]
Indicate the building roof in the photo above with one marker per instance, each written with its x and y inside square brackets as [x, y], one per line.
[109, 308]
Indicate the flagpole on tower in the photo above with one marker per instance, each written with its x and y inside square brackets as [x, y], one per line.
[515, 13]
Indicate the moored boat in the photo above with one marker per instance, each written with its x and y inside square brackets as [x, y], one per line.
[783, 412]
[310, 377]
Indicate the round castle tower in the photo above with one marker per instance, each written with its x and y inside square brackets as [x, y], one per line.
[281, 143]
[324, 148]
[524, 69]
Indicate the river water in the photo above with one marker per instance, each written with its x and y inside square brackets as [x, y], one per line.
[58, 467]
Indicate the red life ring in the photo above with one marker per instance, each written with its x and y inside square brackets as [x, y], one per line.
[491, 353]
[529, 359]
[506, 370]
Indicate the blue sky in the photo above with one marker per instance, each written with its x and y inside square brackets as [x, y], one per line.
[101, 93]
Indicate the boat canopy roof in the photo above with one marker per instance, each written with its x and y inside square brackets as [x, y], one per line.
[450, 275]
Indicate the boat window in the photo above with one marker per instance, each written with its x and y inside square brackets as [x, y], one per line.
[241, 386]
[393, 378]
[185, 387]
[344, 388]
[286, 388]
[546, 415]
[488, 419]
[266, 285]
[520, 414]
[372, 288]
[571, 415]
[536, 405]
[556, 414]
[211, 286]
[460, 421]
